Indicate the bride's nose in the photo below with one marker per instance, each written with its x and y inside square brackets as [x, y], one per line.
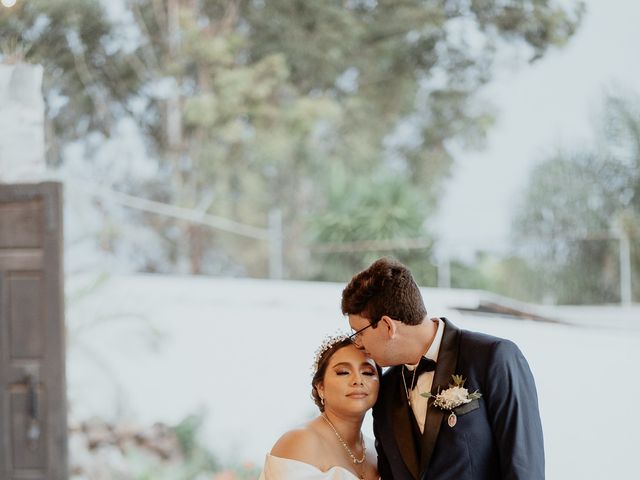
[357, 379]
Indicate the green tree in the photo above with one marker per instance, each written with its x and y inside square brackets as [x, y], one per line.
[365, 219]
[415, 61]
[574, 204]
[86, 84]
[249, 106]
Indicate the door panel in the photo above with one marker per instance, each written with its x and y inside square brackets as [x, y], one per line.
[21, 224]
[26, 320]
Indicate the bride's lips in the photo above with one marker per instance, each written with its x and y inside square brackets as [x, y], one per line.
[357, 395]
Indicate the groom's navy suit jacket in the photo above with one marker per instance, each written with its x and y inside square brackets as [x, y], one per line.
[498, 436]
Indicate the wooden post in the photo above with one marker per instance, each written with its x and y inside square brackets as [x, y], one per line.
[625, 269]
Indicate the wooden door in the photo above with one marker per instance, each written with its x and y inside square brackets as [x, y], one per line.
[33, 410]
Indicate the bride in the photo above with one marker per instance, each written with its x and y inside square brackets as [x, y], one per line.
[331, 446]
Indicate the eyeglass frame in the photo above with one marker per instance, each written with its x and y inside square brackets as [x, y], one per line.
[354, 336]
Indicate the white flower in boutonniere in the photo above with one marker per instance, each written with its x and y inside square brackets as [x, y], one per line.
[453, 397]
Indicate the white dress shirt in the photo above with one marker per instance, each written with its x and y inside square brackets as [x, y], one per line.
[425, 380]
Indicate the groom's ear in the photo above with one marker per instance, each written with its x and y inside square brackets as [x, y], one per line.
[389, 325]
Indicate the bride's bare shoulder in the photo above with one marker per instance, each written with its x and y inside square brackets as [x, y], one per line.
[301, 444]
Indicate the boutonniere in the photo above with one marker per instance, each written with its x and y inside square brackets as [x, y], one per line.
[453, 397]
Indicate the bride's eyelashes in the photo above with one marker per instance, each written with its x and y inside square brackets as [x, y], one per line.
[368, 373]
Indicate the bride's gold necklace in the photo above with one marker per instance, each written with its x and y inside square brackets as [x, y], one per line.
[356, 461]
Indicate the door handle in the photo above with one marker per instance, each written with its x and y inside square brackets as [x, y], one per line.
[33, 424]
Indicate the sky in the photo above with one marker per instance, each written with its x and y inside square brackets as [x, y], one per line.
[541, 107]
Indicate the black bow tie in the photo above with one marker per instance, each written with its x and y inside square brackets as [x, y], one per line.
[425, 365]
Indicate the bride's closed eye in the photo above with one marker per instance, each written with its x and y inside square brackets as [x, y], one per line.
[369, 373]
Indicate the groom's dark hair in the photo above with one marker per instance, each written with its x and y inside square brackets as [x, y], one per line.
[385, 288]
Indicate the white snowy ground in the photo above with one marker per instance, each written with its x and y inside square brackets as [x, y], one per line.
[156, 348]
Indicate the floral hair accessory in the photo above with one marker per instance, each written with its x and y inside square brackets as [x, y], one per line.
[328, 342]
[453, 397]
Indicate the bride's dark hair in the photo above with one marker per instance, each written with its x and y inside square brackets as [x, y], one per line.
[321, 368]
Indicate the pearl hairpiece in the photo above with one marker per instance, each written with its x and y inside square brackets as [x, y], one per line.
[328, 342]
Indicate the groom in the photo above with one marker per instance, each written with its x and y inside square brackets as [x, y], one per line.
[492, 435]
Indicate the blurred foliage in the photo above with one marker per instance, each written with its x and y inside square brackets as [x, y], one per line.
[576, 206]
[198, 457]
[508, 275]
[126, 451]
[364, 209]
[250, 106]
[86, 84]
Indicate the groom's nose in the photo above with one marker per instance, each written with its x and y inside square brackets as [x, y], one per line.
[358, 344]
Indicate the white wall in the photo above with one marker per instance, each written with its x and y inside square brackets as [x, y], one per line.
[22, 153]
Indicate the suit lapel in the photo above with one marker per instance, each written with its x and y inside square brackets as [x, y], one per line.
[446, 366]
[401, 424]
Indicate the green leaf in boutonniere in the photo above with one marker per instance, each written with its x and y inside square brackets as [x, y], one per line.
[458, 381]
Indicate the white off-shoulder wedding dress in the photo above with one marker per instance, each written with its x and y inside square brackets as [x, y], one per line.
[277, 468]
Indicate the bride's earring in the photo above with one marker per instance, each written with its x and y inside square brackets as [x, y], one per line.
[322, 401]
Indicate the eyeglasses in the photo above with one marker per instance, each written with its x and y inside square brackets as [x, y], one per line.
[354, 337]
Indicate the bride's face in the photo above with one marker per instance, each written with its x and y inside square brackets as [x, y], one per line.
[350, 382]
